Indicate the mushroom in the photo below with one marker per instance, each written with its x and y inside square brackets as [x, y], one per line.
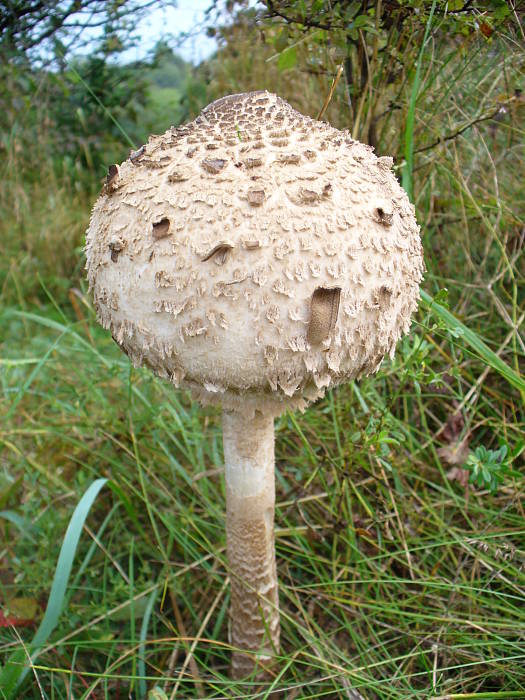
[283, 263]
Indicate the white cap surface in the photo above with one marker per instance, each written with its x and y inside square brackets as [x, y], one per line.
[255, 256]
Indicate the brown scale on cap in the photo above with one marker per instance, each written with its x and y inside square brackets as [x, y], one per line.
[161, 229]
[111, 183]
[213, 165]
[321, 245]
[324, 312]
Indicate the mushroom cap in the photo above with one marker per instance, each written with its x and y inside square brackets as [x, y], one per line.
[255, 255]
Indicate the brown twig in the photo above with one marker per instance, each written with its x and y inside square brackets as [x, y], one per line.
[331, 91]
[455, 134]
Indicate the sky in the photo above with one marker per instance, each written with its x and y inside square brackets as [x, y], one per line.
[188, 16]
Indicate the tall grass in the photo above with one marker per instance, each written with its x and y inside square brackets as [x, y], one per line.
[394, 580]
[44, 211]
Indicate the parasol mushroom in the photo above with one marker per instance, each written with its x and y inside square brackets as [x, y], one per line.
[256, 257]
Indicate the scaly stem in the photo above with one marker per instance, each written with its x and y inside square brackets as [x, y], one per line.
[250, 502]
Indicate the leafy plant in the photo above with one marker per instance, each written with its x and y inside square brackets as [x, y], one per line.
[488, 468]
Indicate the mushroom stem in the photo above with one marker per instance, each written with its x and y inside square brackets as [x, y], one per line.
[250, 501]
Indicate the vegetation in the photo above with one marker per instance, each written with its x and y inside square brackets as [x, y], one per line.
[400, 522]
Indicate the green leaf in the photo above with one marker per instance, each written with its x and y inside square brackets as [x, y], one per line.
[16, 667]
[287, 59]
[360, 21]
[501, 10]
[351, 11]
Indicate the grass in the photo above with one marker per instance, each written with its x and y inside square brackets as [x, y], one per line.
[397, 579]
[394, 580]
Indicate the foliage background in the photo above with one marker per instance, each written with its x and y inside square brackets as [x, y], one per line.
[399, 578]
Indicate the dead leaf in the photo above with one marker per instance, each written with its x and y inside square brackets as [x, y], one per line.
[459, 475]
[456, 453]
[19, 612]
[486, 29]
[453, 427]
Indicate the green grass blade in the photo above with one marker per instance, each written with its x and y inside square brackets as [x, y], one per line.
[143, 690]
[59, 327]
[407, 180]
[16, 668]
[32, 377]
[474, 341]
